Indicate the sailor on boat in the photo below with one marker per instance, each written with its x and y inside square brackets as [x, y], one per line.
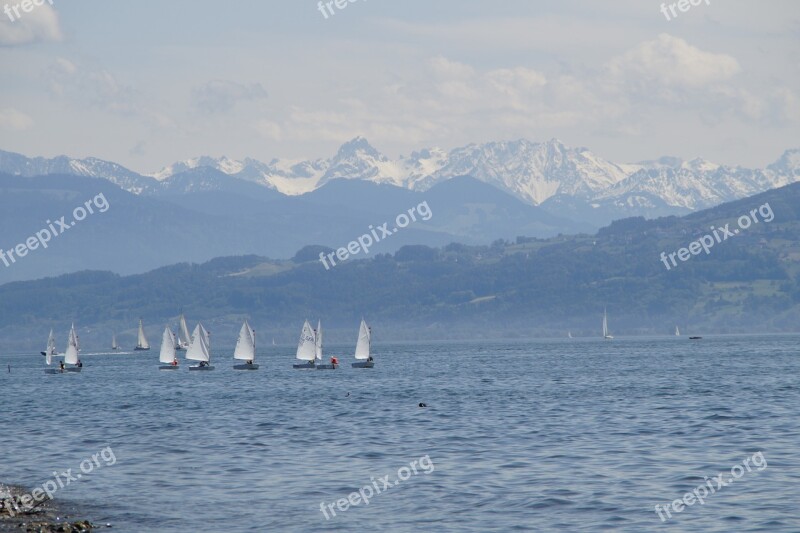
[174, 362]
[79, 364]
[334, 361]
[203, 363]
[61, 365]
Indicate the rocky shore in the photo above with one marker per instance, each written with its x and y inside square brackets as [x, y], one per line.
[41, 517]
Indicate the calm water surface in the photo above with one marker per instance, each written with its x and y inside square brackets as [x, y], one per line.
[580, 435]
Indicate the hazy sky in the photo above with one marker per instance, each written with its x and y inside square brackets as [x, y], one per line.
[145, 82]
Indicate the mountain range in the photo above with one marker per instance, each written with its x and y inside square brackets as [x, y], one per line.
[510, 289]
[568, 182]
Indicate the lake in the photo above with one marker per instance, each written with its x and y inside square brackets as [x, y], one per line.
[545, 435]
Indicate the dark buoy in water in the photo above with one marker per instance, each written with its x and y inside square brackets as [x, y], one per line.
[422, 405]
[346, 395]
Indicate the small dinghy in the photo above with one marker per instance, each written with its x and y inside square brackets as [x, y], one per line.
[73, 364]
[200, 349]
[363, 347]
[184, 338]
[246, 348]
[51, 346]
[167, 355]
[142, 344]
[48, 359]
[606, 335]
[114, 345]
[306, 348]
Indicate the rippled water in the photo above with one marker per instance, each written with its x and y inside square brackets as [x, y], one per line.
[560, 435]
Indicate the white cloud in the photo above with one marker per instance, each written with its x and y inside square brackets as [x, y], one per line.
[14, 120]
[41, 24]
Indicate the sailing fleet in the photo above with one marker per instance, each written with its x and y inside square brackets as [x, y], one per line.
[198, 348]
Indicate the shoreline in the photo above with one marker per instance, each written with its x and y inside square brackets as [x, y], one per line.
[46, 517]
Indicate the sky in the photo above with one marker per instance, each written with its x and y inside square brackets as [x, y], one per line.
[146, 83]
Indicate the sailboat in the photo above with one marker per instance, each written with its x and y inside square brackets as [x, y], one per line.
[142, 343]
[200, 349]
[71, 355]
[363, 346]
[51, 345]
[677, 332]
[306, 347]
[334, 364]
[606, 335]
[246, 348]
[114, 345]
[49, 360]
[183, 335]
[167, 356]
[569, 334]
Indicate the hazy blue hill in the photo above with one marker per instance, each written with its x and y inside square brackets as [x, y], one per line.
[528, 287]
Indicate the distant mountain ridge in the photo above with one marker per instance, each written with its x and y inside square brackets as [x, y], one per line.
[549, 174]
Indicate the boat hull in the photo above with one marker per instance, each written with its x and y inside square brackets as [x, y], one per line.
[74, 369]
[300, 366]
[168, 367]
[364, 364]
[201, 367]
[327, 367]
[140, 349]
[53, 371]
[245, 366]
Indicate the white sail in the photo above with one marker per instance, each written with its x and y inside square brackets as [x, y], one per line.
[364, 340]
[167, 354]
[200, 347]
[114, 344]
[183, 332]
[569, 334]
[318, 341]
[48, 358]
[142, 339]
[677, 332]
[605, 325]
[71, 355]
[51, 345]
[306, 348]
[246, 345]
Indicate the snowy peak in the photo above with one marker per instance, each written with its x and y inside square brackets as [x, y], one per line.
[223, 164]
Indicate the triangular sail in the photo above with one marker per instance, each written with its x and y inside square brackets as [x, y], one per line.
[142, 339]
[605, 323]
[51, 344]
[167, 354]
[71, 355]
[183, 332]
[246, 345]
[306, 348]
[200, 348]
[677, 332]
[318, 341]
[364, 340]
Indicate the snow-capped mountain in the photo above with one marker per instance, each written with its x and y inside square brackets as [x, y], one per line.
[558, 177]
[19, 165]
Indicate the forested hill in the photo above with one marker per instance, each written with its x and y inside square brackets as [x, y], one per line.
[531, 287]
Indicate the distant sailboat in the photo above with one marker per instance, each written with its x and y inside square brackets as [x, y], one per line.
[246, 348]
[569, 334]
[48, 359]
[142, 343]
[606, 334]
[184, 338]
[71, 355]
[114, 345]
[334, 364]
[200, 349]
[363, 347]
[306, 347]
[51, 346]
[677, 332]
[167, 356]
[273, 342]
